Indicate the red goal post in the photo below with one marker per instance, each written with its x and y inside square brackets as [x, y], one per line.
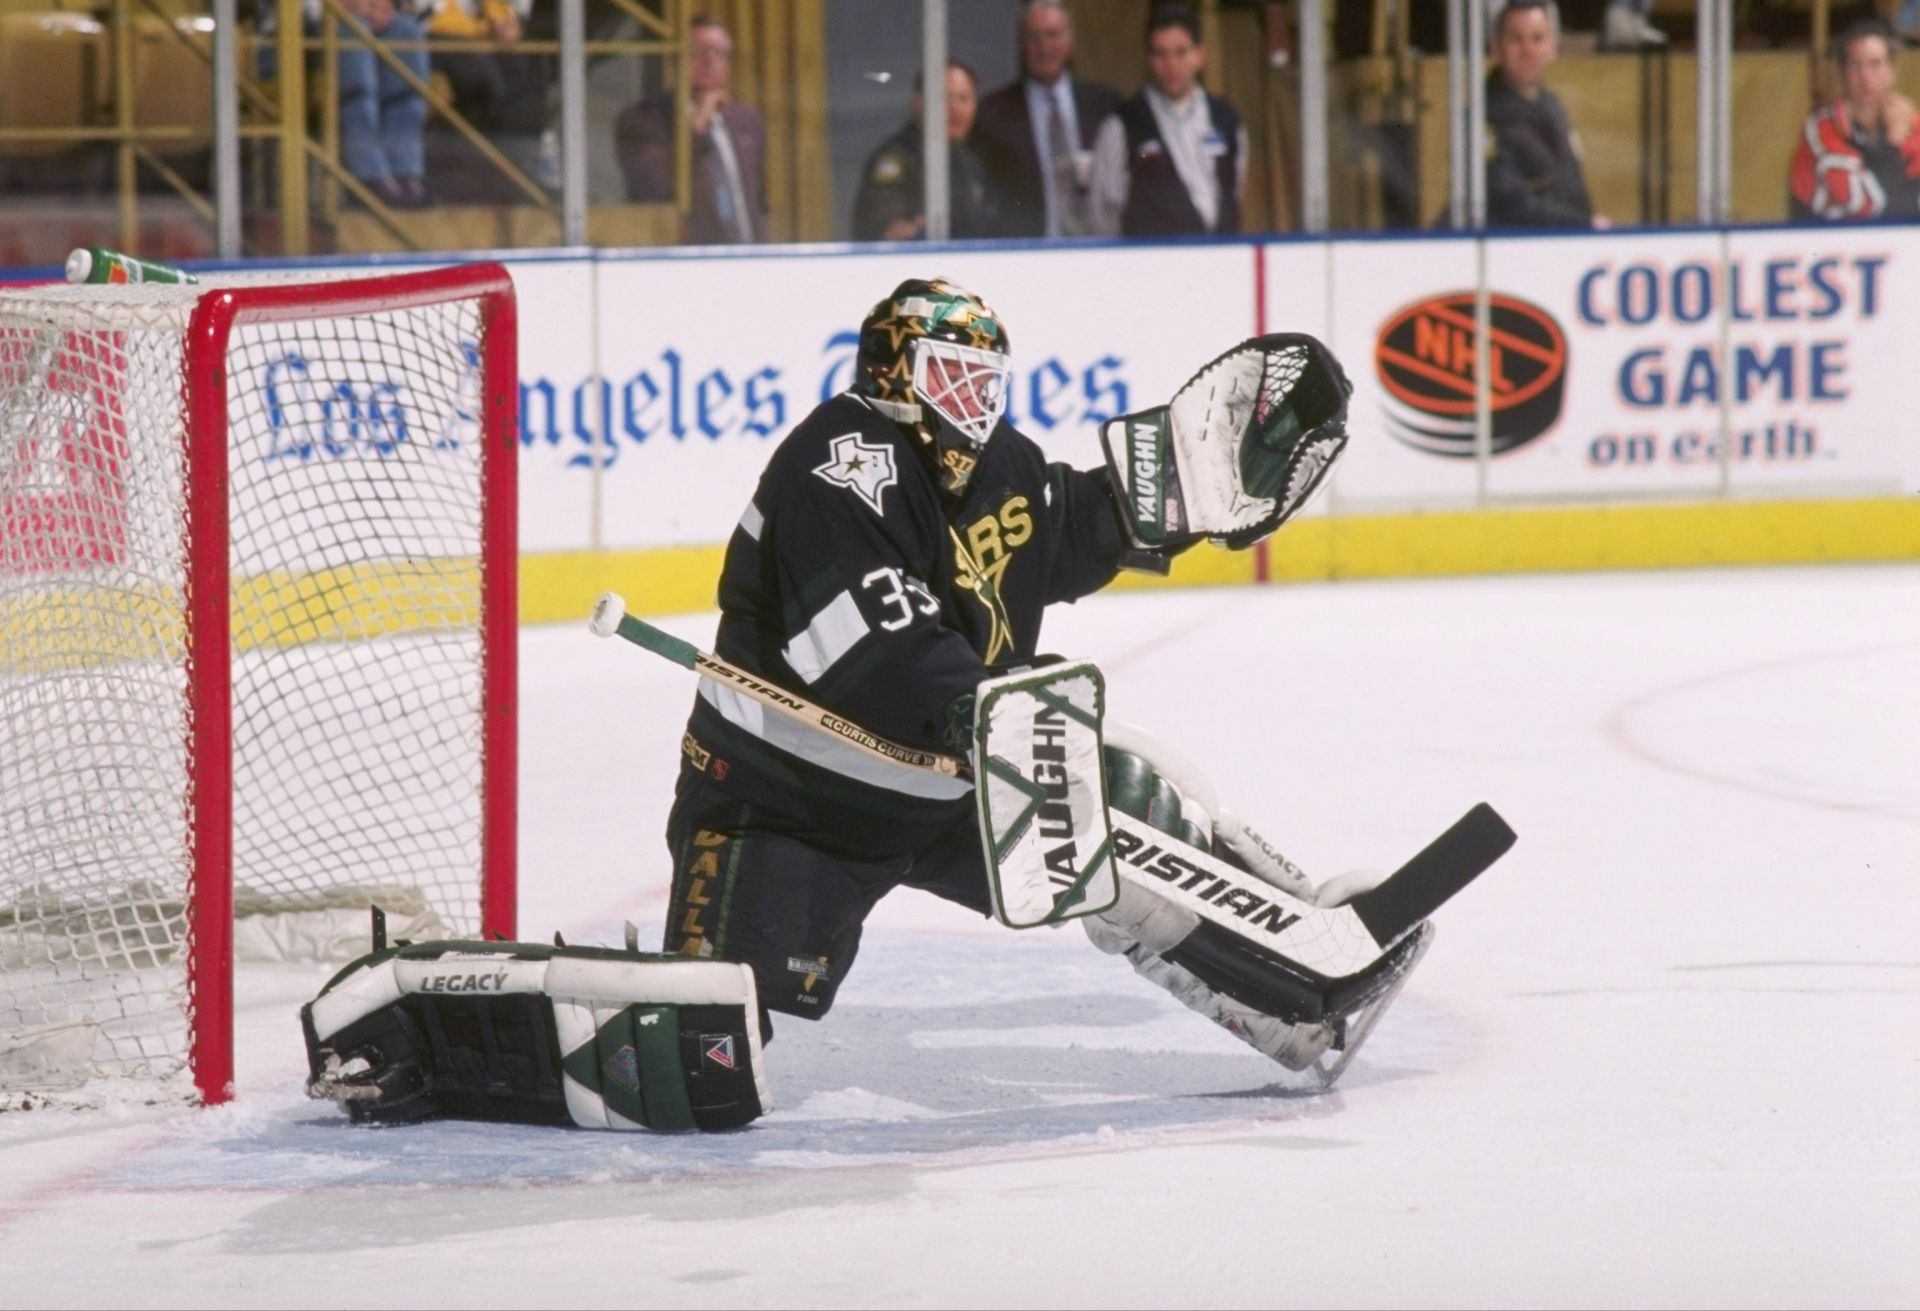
[314, 704]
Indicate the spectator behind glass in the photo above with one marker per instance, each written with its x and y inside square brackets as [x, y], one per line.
[1035, 136]
[382, 119]
[1858, 158]
[1173, 159]
[729, 200]
[503, 95]
[1534, 179]
[891, 204]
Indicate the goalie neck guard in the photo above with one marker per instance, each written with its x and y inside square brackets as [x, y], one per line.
[933, 358]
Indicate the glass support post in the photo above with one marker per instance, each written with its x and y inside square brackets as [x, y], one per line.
[1313, 116]
[933, 118]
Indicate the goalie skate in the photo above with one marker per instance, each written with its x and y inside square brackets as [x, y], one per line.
[1351, 1031]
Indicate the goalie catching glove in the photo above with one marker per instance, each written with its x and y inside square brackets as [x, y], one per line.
[522, 1032]
[1238, 451]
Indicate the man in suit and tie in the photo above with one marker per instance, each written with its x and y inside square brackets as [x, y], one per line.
[728, 201]
[1035, 135]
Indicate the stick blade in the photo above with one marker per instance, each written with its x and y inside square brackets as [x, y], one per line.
[1425, 883]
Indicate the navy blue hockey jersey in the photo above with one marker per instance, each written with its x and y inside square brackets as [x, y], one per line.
[850, 581]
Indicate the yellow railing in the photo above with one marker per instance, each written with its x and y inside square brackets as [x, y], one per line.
[278, 110]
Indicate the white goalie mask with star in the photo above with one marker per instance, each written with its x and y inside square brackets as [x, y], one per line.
[964, 386]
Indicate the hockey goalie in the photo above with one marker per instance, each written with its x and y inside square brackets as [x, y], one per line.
[889, 577]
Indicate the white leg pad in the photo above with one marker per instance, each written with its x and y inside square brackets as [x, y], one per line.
[1296, 1046]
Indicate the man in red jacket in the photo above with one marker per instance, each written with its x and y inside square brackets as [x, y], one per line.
[1859, 158]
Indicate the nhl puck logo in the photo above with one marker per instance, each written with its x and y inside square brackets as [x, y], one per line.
[1425, 359]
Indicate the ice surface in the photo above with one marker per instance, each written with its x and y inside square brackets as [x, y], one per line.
[1666, 1053]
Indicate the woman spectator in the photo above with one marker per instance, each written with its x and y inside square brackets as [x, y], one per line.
[891, 202]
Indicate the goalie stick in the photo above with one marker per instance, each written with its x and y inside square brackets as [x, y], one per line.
[1332, 941]
[610, 617]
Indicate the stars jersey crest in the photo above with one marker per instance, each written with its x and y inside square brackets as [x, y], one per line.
[864, 468]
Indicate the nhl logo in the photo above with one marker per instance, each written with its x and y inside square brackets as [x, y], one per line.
[1425, 358]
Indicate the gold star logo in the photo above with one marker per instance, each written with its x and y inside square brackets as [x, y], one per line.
[896, 380]
[984, 582]
[898, 328]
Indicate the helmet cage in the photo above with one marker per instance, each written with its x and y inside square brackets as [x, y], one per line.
[964, 386]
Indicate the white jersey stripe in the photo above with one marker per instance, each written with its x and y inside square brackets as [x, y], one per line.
[830, 635]
[752, 521]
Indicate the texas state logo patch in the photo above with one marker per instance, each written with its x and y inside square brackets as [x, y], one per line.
[864, 468]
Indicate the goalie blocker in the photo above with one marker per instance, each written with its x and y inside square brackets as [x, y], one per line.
[521, 1032]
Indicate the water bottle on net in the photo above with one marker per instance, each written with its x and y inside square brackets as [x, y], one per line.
[97, 264]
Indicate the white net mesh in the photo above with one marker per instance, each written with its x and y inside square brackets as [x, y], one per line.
[355, 502]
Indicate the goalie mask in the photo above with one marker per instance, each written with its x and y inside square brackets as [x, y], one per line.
[933, 357]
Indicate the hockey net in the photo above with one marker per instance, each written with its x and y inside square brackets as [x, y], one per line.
[256, 647]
